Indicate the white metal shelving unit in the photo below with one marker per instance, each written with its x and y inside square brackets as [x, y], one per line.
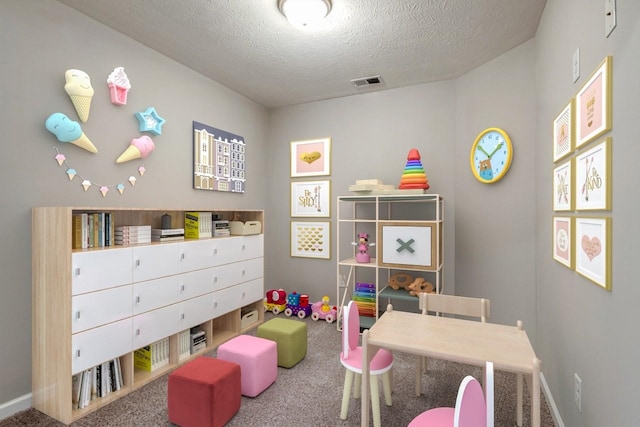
[366, 214]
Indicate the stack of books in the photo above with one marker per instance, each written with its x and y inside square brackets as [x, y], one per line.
[153, 356]
[197, 225]
[184, 345]
[166, 234]
[198, 341]
[96, 382]
[132, 234]
[221, 228]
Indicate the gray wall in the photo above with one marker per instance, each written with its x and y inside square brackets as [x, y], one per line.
[40, 40]
[497, 237]
[582, 328]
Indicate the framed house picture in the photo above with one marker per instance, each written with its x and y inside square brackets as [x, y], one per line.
[593, 104]
[563, 186]
[593, 250]
[563, 240]
[593, 177]
[311, 198]
[311, 239]
[563, 132]
[311, 157]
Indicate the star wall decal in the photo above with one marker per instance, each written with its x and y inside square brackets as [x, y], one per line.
[150, 121]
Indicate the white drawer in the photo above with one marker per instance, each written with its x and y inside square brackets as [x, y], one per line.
[154, 261]
[196, 254]
[154, 325]
[155, 293]
[197, 283]
[251, 291]
[195, 311]
[225, 300]
[99, 308]
[100, 269]
[238, 272]
[101, 344]
[246, 247]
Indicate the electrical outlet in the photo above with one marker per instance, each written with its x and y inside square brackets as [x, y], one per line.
[576, 65]
[577, 391]
[609, 17]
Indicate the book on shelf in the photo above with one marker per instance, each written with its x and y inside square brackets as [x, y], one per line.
[166, 238]
[92, 229]
[132, 234]
[152, 356]
[167, 231]
[198, 341]
[184, 346]
[76, 381]
[197, 225]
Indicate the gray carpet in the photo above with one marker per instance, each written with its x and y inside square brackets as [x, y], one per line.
[310, 393]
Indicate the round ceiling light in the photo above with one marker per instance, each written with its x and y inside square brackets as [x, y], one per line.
[304, 13]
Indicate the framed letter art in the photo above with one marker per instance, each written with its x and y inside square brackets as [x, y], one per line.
[563, 240]
[563, 185]
[593, 178]
[563, 131]
[311, 158]
[593, 250]
[593, 104]
[311, 198]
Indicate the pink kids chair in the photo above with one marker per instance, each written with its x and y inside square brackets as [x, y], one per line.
[473, 408]
[351, 359]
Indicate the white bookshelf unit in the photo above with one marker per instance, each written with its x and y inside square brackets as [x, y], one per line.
[387, 219]
[95, 305]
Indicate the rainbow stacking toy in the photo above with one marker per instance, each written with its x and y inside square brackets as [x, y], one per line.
[413, 176]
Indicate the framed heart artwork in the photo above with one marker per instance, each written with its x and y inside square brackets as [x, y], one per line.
[593, 249]
[311, 157]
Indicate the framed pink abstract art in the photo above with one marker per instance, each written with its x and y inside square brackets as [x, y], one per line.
[593, 104]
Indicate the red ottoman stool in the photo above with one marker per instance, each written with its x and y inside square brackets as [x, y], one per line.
[258, 360]
[204, 392]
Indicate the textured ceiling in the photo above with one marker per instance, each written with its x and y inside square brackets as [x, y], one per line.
[248, 46]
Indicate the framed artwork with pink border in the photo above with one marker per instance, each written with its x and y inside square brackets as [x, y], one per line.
[593, 250]
[563, 240]
[311, 157]
[593, 104]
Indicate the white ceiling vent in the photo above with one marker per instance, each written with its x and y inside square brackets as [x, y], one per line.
[367, 82]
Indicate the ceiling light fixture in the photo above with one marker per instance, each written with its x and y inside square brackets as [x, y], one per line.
[304, 13]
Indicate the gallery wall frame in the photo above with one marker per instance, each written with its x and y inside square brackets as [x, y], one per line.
[408, 245]
[593, 104]
[564, 132]
[593, 249]
[593, 177]
[311, 199]
[563, 186]
[563, 249]
[311, 157]
[311, 239]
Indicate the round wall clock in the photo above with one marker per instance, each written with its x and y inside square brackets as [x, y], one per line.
[491, 155]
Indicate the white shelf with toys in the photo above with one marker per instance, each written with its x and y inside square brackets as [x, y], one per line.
[385, 244]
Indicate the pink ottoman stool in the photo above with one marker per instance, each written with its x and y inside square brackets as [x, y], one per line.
[204, 392]
[258, 360]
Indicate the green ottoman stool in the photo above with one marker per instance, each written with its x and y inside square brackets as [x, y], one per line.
[290, 337]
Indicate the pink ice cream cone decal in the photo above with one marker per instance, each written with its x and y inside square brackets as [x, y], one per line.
[119, 86]
[139, 149]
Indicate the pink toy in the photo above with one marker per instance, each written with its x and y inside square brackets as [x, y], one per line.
[322, 310]
[363, 248]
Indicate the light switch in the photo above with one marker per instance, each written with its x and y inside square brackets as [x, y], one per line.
[610, 17]
[576, 65]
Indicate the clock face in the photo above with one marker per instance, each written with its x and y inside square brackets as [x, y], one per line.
[491, 155]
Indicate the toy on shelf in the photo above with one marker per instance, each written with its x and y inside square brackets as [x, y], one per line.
[365, 298]
[363, 248]
[419, 286]
[298, 305]
[400, 280]
[322, 310]
[413, 176]
[275, 301]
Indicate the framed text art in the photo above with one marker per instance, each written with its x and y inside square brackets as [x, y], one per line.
[311, 239]
[563, 240]
[593, 177]
[593, 250]
[593, 104]
[408, 245]
[311, 157]
[563, 132]
[563, 186]
[311, 198]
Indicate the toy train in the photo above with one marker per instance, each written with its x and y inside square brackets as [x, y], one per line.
[294, 304]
